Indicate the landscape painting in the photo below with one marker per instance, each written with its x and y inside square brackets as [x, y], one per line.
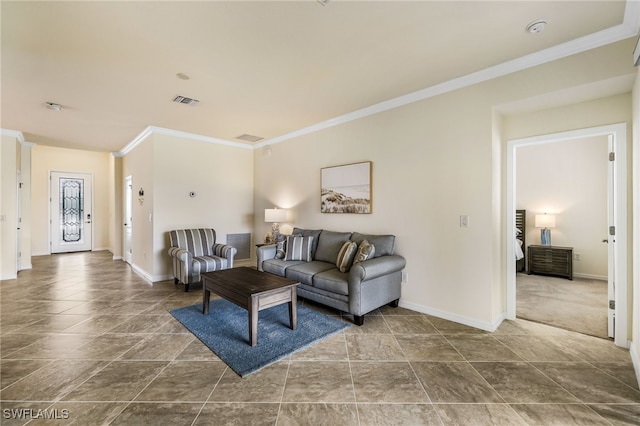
[346, 189]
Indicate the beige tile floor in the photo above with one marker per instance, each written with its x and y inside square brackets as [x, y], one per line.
[86, 340]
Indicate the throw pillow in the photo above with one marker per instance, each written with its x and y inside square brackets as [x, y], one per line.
[365, 251]
[281, 246]
[298, 248]
[345, 256]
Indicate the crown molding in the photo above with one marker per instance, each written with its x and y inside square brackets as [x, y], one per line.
[629, 28]
[13, 134]
[153, 130]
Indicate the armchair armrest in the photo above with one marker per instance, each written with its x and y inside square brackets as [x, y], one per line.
[265, 252]
[226, 251]
[181, 254]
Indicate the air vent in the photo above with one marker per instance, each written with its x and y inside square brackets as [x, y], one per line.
[184, 100]
[249, 138]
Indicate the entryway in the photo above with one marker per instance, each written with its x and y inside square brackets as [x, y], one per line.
[617, 238]
[71, 201]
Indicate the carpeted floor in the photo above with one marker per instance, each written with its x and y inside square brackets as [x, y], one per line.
[577, 305]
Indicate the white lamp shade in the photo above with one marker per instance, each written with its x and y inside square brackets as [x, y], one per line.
[275, 215]
[545, 221]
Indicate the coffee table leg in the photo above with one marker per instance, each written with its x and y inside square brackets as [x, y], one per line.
[206, 295]
[293, 309]
[253, 321]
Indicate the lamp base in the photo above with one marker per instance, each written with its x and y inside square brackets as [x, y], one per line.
[545, 237]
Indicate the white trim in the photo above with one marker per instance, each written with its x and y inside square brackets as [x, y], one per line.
[9, 277]
[460, 319]
[13, 134]
[153, 130]
[144, 274]
[619, 133]
[629, 28]
[590, 277]
[635, 359]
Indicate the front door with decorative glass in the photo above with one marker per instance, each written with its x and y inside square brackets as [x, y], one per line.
[71, 212]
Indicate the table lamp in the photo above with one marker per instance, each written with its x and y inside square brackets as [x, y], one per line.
[545, 221]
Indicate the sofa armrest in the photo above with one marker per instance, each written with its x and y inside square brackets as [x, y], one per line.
[226, 251]
[265, 252]
[377, 267]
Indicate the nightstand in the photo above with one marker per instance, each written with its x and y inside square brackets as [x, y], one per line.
[551, 260]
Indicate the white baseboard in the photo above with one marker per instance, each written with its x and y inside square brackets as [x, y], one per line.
[471, 322]
[590, 277]
[635, 359]
[25, 267]
[8, 277]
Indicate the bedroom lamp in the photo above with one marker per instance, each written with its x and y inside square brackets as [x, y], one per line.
[275, 216]
[545, 221]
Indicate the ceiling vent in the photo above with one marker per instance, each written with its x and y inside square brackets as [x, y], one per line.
[184, 100]
[249, 138]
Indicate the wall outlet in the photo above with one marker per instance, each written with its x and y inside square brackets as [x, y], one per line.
[464, 221]
[577, 256]
[405, 276]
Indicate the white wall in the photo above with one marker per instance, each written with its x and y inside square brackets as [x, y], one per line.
[433, 161]
[568, 179]
[46, 159]
[168, 168]
[9, 149]
[635, 294]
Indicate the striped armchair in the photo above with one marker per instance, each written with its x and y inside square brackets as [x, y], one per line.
[194, 251]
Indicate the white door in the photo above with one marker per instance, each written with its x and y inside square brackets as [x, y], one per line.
[71, 212]
[128, 218]
[611, 241]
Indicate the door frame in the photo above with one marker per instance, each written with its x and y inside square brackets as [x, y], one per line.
[618, 133]
[51, 172]
[127, 210]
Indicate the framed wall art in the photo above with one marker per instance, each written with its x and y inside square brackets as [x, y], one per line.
[346, 189]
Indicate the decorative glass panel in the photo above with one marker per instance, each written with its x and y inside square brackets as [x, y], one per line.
[71, 210]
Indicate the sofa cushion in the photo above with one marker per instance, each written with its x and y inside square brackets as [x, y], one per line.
[304, 272]
[298, 248]
[365, 251]
[345, 256]
[329, 244]
[332, 281]
[384, 244]
[278, 266]
[315, 233]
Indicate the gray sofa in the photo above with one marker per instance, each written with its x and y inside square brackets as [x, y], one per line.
[365, 285]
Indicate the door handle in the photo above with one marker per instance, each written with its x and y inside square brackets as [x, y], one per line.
[606, 240]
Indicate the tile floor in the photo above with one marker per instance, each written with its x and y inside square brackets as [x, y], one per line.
[84, 341]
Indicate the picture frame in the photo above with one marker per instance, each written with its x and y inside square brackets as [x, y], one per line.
[346, 188]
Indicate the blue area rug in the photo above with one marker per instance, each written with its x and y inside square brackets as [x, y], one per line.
[225, 330]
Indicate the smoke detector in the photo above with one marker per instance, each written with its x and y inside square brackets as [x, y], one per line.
[184, 100]
[536, 27]
[53, 106]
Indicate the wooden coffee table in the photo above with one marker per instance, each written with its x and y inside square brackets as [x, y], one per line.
[252, 290]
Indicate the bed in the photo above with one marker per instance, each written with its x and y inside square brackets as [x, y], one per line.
[520, 235]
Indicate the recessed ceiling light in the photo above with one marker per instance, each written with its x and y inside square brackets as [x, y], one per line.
[536, 27]
[183, 76]
[53, 106]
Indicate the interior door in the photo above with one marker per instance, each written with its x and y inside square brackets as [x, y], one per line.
[128, 219]
[71, 212]
[611, 242]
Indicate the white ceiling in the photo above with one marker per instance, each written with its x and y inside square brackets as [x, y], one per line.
[262, 68]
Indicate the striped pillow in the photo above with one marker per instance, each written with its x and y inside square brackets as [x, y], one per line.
[298, 248]
[345, 256]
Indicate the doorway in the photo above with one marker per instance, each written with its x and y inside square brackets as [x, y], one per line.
[71, 201]
[128, 219]
[617, 200]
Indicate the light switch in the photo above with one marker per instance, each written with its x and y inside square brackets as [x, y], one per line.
[464, 221]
